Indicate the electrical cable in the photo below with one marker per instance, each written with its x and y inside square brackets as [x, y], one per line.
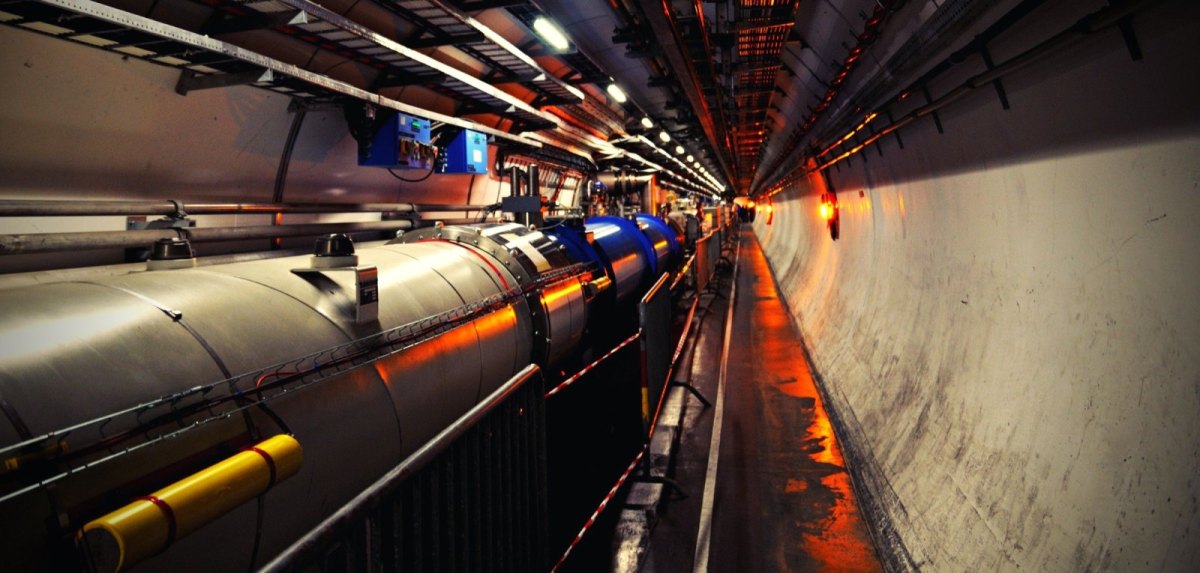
[417, 180]
[432, 168]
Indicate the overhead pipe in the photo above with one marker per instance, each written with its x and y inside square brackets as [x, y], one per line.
[1084, 28]
[71, 208]
[56, 242]
[663, 22]
[872, 28]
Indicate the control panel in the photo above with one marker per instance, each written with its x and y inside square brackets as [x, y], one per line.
[402, 142]
[467, 153]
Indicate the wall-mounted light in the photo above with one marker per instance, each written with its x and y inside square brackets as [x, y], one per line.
[551, 34]
[646, 123]
[829, 212]
[615, 92]
[664, 136]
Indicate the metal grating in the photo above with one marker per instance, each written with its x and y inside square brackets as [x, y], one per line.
[332, 31]
[441, 23]
[114, 30]
[587, 71]
[597, 114]
[762, 28]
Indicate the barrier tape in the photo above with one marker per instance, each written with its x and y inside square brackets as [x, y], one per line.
[603, 504]
[575, 377]
[671, 368]
[683, 271]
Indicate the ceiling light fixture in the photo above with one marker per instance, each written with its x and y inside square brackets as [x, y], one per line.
[646, 123]
[615, 91]
[551, 34]
[664, 136]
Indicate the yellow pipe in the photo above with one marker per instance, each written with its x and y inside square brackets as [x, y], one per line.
[150, 524]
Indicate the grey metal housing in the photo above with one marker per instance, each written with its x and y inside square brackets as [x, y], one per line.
[76, 350]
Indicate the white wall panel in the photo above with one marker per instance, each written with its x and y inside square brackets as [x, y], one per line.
[1009, 327]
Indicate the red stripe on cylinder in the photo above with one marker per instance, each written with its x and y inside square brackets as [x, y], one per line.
[168, 513]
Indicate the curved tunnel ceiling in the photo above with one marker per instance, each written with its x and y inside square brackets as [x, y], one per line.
[723, 97]
[749, 83]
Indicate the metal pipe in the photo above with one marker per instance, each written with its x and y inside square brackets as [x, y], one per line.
[69, 208]
[53, 242]
[1086, 26]
[433, 207]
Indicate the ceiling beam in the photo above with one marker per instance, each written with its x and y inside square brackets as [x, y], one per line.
[662, 22]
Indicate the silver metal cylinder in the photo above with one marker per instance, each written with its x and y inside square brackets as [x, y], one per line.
[73, 351]
[559, 311]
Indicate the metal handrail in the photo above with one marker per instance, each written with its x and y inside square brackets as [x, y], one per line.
[309, 548]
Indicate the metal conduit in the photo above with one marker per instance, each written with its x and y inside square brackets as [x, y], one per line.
[43, 208]
[1086, 26]
[55, 242]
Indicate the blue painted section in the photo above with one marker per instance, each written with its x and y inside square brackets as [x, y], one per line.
[467, 153]
[657, 230]
[623, 249]
[402, 142]
[574, 240]
[627, 253]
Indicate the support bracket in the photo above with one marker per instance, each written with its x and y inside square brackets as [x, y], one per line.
[987, 61]
[1130, 37]
[191, 81]
[937, 119]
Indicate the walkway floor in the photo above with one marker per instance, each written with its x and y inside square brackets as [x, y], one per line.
[782, 499]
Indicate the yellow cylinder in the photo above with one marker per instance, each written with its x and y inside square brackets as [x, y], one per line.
[150, 524]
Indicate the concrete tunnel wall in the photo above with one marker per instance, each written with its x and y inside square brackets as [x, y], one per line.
[1009, 329]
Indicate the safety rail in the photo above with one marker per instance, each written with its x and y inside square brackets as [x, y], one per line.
[708, 252]
[473, 498]
[654, 320]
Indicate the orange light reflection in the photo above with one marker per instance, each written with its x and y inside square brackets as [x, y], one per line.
[552, 293]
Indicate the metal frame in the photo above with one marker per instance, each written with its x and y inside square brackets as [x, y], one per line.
[411, 62]
[383, 498]
[228, 53]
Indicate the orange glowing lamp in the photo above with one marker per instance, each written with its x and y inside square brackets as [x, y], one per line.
[826, 211]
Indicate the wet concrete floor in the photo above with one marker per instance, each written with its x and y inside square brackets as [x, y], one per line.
[783, 500]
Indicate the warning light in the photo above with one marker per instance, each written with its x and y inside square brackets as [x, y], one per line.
[829, 212]
[826, 211]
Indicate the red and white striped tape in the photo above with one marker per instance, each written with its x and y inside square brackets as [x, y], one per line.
[575, 377]
[603, 504]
